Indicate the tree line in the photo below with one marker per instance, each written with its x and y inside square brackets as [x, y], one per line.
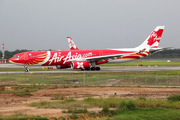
[9, 54]
[172, 53]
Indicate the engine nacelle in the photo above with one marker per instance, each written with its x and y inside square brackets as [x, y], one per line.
[101, 62]
[80, 64]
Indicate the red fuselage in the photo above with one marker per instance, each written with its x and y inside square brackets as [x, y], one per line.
[49, 58]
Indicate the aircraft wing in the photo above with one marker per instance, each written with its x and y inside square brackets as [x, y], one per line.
[99, 58]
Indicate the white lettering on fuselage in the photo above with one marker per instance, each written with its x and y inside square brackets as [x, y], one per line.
[57, 57]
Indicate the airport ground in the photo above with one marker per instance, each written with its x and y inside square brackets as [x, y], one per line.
[151, 66]
[13, 104]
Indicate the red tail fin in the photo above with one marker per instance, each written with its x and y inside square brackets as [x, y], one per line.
[153, 39]
[71, 44]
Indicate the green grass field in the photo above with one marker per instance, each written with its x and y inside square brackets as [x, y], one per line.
[111, 102]
[148, 114]
[138, 114]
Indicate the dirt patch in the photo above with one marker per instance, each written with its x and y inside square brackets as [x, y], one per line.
[2, 88]
[10, 104]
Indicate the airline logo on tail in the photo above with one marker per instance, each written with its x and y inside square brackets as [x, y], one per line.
[71, 44]
[155, 37]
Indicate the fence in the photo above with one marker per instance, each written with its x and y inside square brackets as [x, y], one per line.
[92, 79]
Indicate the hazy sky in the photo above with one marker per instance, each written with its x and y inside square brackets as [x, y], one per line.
[92, 24]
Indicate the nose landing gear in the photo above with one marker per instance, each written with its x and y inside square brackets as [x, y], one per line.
[26, 69]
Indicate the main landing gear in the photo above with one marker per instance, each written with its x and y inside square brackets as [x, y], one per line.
[26, 69]
[95, 68]
[92, 69]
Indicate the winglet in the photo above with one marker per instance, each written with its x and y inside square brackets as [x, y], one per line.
[71, 44]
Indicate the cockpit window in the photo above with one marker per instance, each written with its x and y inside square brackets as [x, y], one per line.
[15, 56]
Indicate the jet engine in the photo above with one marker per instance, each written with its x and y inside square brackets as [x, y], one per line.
[80, 64]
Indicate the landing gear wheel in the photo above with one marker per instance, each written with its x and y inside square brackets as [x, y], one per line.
[98, 68]
[26, 68]
[82, 69]
[93, 68]
[87, 68]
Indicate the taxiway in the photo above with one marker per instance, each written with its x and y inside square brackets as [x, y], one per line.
[103, 69]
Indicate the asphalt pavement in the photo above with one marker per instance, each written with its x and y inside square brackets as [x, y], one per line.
[103, 69]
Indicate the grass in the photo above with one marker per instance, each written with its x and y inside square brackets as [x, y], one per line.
[76, 111]
[112, 102]
[147, 114]
[60, 104]
[58, 97]
[174, 98]
[128, 109]
[19, 116]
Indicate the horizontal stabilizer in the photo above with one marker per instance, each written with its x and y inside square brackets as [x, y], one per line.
[154, 50]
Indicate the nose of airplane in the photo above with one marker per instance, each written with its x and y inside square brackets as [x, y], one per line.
[11, 60]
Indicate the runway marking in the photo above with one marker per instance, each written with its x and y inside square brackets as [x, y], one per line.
[76, 72]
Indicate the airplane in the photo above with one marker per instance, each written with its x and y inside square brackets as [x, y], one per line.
[88, 59]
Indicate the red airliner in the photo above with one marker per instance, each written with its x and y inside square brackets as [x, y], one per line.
[88, 59]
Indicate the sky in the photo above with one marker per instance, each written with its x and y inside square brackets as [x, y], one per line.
[92, 24]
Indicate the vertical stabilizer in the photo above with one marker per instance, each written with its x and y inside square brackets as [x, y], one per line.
[71, 44]
[153, 39]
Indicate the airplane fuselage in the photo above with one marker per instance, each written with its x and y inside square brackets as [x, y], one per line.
[51, 58]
